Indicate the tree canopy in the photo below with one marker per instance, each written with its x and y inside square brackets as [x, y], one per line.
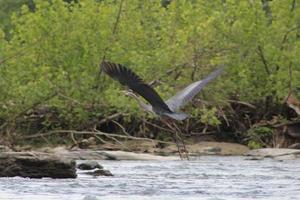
[53, 52]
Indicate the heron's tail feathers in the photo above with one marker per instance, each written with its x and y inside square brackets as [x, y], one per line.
[178, 116]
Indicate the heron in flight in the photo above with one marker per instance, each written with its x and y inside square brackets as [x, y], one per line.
[169, 109]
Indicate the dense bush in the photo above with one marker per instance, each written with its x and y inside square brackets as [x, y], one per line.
[7, 8]
[55, 53]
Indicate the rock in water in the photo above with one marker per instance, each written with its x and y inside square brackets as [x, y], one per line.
[100, 172]
[4, 148]
[294, 146]
[88, 165]
[273, 153]
[35, 165]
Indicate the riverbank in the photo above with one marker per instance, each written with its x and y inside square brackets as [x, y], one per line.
[59, 162]
[144, 151]
[146, 147]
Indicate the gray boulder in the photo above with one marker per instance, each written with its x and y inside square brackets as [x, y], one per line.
[273, 153]
[294, 146]
[100, 172]
[123, 155]
[35, 165]
[4, 148]
[89, 165]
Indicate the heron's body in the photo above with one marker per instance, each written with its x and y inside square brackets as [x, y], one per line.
[169, 108]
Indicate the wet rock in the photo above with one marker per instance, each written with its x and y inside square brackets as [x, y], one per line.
[255, 158]
[100, 172]
[89, 165]
[86, 143]
[35, 165]
[22, 148]
[285, 157]
[123, 155]
[4, 148]
[84, 154]
[294, 146]
[212, 150]
[272, 153]
[76, 154]
[167, 153]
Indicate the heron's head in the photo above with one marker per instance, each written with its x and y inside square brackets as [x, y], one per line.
[146, 107]
[129, 93]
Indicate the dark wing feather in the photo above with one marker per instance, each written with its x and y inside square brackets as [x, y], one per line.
[127, 77]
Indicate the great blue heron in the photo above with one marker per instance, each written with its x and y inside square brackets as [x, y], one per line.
[165, 109]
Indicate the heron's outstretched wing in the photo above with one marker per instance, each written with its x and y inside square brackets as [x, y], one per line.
[187, 94]
[127, 77]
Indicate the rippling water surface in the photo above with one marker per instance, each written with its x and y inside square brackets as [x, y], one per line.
[213, 178]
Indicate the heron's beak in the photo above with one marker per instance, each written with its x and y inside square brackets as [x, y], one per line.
[127, 92]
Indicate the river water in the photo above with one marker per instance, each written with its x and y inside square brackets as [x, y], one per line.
[207, 177]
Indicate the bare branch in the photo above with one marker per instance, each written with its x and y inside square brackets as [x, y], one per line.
[156, 126]
[114, 30]
[262, 56]
[111, 117]
[290, 83]
[122, 127]
[285, 36]
[92, 133]
[242, 103]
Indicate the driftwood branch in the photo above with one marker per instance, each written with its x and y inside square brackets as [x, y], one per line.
[156, 126]
[111, 117]
[286, 123]
[242, 103]
[122, 127]
[98, 133]
[117, 141]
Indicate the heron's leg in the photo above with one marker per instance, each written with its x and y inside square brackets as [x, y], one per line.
[175, 138]
[182, 140]
[181, 147]
[178, 146]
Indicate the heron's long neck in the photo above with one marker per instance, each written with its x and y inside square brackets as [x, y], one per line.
[142, 104]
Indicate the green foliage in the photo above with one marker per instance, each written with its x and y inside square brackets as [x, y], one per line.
[58, 46]
[259, 137]
[252, 144]
[6, 10]
[208, 116]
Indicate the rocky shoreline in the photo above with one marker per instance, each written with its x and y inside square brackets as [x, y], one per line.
[278, 154]
[148, 151]
[60, 162]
